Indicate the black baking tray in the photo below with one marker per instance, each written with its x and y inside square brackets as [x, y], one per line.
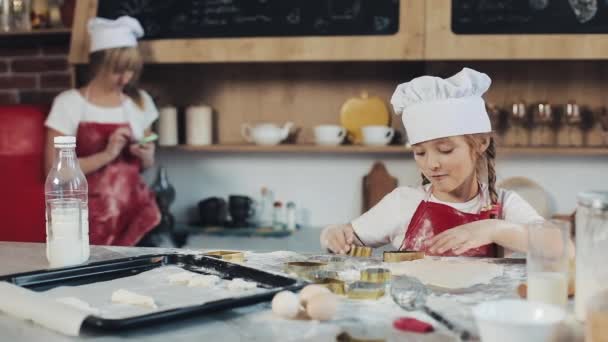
[119, 268]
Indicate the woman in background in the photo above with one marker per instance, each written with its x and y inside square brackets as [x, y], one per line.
[109, 116]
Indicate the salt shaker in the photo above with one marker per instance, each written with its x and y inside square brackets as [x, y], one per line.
[591, 248]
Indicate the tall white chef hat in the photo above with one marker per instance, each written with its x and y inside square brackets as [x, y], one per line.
[433, 107]
[108, 34]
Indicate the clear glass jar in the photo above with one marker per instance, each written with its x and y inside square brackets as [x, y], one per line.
[591, 248]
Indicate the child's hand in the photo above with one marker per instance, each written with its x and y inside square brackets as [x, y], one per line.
[338, 238]
[462, 238]
[144, 152]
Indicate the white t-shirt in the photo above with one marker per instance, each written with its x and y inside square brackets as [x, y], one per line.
[388, 220]
[71, 107]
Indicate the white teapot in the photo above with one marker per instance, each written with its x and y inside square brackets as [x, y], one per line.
[265, 133]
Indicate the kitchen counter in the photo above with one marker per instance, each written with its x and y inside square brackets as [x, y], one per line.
[361, 319]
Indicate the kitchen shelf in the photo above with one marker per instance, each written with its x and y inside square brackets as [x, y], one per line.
[298, 148]
[397, 149]
[35, 32]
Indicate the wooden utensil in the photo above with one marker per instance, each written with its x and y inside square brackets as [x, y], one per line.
[377, 184]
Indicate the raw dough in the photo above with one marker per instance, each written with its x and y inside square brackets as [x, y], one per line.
[451, 274]
[79, 304]
[203, 281]
[182, 278]
[238, 284]
[127, 297]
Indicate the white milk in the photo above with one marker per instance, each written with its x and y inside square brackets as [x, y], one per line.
[64, 252]
[587, 285]
[65, 244]
[548, 287]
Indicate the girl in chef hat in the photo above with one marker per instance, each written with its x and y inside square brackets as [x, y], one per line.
[108, 115]
[457, 210]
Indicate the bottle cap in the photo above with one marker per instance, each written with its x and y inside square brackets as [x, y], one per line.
[65, 140]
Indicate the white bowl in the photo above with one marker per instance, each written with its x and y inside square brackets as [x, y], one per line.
[512, 320]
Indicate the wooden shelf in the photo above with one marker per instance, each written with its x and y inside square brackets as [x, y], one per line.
[35, 32]
[289, 148]
[396, 150]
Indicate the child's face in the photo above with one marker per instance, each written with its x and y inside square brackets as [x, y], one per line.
[447, 162]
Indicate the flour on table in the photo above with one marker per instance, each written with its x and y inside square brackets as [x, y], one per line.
[182, 278]
[79, 304]
[238, 284]
[127, 297]
[203, 281]
[449, 274]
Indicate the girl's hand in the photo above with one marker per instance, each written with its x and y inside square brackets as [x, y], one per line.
[462, 238]
[117, 141]
[145, 152]
[338, 238]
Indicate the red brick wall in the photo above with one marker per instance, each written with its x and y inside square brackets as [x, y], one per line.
[33, 74]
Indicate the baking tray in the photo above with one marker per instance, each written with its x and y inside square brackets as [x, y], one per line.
[119, 268]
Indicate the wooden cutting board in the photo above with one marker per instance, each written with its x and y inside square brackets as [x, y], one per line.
[377, 184]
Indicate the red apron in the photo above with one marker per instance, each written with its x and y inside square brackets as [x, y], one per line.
[122, 209]
[433, 218]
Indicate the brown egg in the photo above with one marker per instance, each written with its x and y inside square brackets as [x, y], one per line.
[310, 291]
[322, 307]
[286, 304]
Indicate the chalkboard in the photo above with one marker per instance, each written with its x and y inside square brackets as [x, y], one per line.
[529, 16]
[166, 19]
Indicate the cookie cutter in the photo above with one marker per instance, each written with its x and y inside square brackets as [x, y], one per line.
[365, 290]
[376, 275]
[398, 256]
[233, 256]
[360, 251]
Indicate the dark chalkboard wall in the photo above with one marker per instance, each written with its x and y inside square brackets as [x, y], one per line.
[165, 19]
[529, 16]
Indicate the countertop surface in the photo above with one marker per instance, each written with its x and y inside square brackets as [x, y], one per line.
[361, 319]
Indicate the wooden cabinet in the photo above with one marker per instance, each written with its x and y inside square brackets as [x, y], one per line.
[442, 44]
[406, 44]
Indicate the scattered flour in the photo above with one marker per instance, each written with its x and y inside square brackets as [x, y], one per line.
[182, 278]
[203, 281]
[238, 284]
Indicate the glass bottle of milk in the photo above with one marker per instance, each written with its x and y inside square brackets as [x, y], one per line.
[67, 213]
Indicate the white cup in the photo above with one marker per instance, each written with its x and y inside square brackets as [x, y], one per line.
[377, 135]
[329, 135]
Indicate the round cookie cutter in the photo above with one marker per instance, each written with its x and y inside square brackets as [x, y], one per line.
[398, 256]
[365, 290]
[303, 269]
[360, 251]
[376, 275]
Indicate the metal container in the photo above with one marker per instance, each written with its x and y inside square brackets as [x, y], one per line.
[591, 248]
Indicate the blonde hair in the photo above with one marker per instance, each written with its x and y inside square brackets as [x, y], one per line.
[484, 161]
[119, 60]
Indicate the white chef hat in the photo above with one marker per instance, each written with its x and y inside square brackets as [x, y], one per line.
[433, 107]
[108, 34]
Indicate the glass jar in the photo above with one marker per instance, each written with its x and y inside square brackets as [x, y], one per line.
[591, 248]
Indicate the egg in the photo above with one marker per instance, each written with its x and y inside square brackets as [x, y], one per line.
[310, 291]
[286, 304]
[322, 307]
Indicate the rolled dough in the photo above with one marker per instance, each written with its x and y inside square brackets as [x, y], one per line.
[451, 274]
[127, 297]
